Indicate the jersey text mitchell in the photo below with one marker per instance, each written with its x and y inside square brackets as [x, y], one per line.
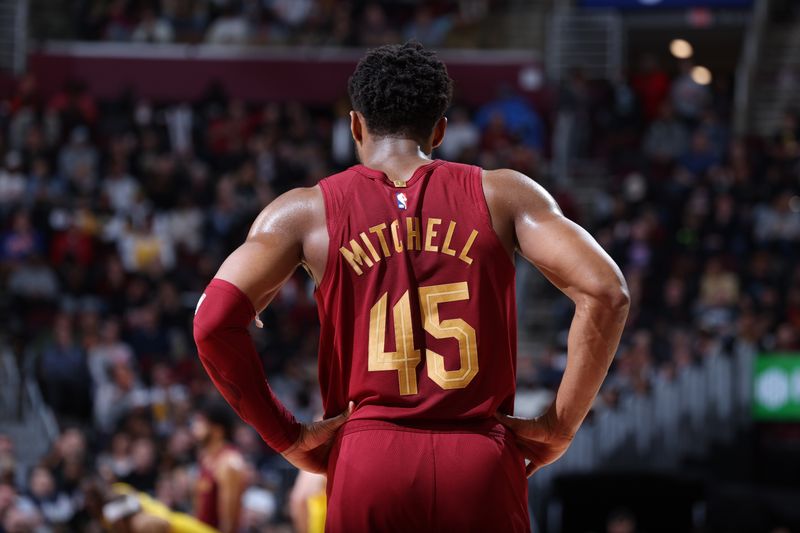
[390, 240]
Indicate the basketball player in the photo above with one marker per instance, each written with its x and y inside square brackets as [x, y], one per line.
[220, 484]
[123, 509]
[413, 262]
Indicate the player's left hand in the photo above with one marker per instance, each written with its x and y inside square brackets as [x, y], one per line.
[538, 440]
[311, 449]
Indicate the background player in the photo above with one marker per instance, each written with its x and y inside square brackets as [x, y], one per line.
[412, 259]
[219, 488]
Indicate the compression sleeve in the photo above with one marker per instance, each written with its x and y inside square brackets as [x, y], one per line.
[230, 358]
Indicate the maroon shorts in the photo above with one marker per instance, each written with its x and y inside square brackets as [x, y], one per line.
[386, 477]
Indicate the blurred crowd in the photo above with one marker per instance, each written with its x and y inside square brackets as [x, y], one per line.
[278, 22]
[114, 215]
[704, 224]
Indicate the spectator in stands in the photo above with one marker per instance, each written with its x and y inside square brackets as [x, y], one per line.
[143, 246]
[55, 506]
[108, 351]
[651, 84]
[63, 372]
[666, 138]
[121, 189]
[518, 115]
[20, 517]
[34, 281]
[144, 472]
[689, 98]
[68, 461]
[22, 241]
[165, 397]
[718, 287]
[78, 161]
[462, 135]
[116, 396]
[374, 29]
[116, 463]
[786, 339]
[152, 28]
[73, 106]
[119, 22]
[779, 221]
[229, 28]
[292, 13]
[700, 156]
[72, 245]
[12, 182]
[427, 28]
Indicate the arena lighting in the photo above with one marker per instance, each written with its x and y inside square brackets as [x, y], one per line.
[701, 75]
[681, 48]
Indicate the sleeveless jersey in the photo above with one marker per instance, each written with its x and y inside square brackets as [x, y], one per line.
[416, 305]
[207, 489]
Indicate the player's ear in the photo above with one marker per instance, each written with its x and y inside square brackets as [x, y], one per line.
[438, 132]
[357, 126]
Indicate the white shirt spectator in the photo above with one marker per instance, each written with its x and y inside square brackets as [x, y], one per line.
[34, 280]
[153, 29]
[12, 187]
[122, 191]
[228, 30]
[292, 12]
[777, 222]
[12, 181]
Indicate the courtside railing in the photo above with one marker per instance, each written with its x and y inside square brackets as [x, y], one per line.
[680, 416]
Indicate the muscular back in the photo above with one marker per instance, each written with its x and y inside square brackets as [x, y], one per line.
[293, 226]
[294, 230]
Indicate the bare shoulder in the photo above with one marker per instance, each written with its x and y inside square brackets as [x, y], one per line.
[293, 212]
[230, 461]
[514, 193]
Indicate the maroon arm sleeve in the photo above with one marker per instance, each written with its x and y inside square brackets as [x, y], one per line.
[230, 358]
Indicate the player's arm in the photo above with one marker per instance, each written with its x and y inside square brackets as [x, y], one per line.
[573, 261]
[246, 282]
[230, 476]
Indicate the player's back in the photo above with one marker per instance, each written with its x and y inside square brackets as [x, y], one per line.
[417, 301]
[418, 329]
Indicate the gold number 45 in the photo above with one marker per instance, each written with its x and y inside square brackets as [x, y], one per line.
[405, 359]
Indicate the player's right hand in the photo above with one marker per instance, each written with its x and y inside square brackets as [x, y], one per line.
[311, 449]
[538, 440]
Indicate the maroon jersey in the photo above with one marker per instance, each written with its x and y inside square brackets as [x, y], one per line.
[207, 489]
[417, 310]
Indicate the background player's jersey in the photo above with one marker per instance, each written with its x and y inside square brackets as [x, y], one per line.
[417, 310]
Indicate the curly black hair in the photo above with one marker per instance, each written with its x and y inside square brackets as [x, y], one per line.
[401, 89]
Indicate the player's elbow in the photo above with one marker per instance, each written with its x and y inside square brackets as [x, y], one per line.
[200, 334]
[608, 296]
[616, 296]
[205, 326]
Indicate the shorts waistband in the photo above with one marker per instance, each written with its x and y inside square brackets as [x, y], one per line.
[483, 426]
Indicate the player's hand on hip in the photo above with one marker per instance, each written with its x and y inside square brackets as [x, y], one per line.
[311, 450]
[538, 439]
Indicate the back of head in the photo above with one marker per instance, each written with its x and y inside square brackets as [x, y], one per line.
[219, 414]
[402, 90]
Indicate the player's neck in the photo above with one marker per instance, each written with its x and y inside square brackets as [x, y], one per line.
[397, 158]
